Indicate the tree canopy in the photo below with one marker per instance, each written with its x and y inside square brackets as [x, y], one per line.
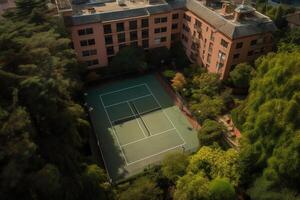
[43, 128]
[270, 123]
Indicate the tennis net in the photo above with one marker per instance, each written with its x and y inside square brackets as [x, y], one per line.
[137, 112]
[124, 119]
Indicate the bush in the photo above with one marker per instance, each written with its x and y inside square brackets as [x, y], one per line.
[178, 82]
[141, 189]
[129, 59]
[169, 74]
[241, 75]
[158, 56]
[174, 166]
[221, 189]
[211, 131]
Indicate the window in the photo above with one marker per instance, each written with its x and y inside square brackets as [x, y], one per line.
[236, 56]
[221, 57]
[175, 36]
[87, 42]
[160, 20]
[210, 47]
[86, 31]
[163, 29]
[145, 44]
[253, 42]
[92, 62]
[164, 19]
[120, 27]
[198, 23]
[224, 43]
[239, 45]
[145, 23]
[110, 58]
[83, 43]
[174, 26]
[186, 28]
[89, 52]
[145, 33]
[163, 39]
[110, 50]
[175, 16]
[160, 30]
[188, 18]
[133, 25]
[121, 46]
[121, 37]
[208, 58]
[250, 53]
[108, 39]
[133, 35]
[212, 36]
[107, 28]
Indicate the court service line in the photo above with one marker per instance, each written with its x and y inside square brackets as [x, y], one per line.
[147, 157]
[115, 91]
[147, 137]
[164, 111]
[128, 100]
[136, 119]
[114, 131]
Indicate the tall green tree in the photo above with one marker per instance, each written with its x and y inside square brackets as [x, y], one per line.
[270, 123]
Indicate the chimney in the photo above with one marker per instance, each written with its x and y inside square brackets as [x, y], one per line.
[236, 16]
[225, 8]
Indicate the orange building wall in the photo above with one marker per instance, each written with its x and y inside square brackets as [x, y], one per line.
[200, 36]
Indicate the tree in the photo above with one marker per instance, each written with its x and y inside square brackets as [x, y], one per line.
[211, 132]
[214, 162]
[241, 75]
[141, 189]
[174, 166]
[192, 186]
[221, 189]
[129, 59]
[270, 125]
[158, 56]
[43, 129]
[178, 82]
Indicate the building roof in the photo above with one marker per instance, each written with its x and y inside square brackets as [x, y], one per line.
[294, 18]
[255, 23]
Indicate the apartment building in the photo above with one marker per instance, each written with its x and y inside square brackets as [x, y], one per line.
[217, 35]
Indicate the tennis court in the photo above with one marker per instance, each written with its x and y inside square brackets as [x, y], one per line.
[135, 125]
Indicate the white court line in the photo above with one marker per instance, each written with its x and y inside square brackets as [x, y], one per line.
[127, 100]
[147, 137]
[155, 154]
[164, 111]
[136, 119]
[114, 131]
[139, 85]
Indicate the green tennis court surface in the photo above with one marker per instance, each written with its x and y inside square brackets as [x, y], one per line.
[137, 124]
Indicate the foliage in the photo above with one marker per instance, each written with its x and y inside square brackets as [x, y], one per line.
[169, 73]
[141, 189]
[42, 127]
[211, 174]
[211, 132]
[129, 59]
[290, 42]
[270, 146]
[178, 55]
[158, 56]
[192, 186]
[221, 189]
[178, 82]
[241, 75]
[174, 166]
